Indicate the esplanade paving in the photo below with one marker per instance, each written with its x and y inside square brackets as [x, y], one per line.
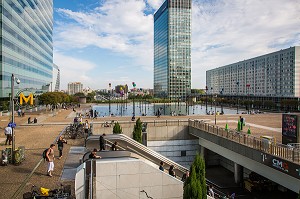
[37, 137]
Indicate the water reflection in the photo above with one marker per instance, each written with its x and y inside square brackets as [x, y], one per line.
[142, 109]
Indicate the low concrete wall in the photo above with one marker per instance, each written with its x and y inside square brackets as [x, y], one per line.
[156, 130]
[182, 152]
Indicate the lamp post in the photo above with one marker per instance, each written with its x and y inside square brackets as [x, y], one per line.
[215, 110]
[206, 99]
[134, 85]
[237, 98]
[13, 114]
[211, 96]
[186, 101]
[109, 93]
[164, 103]
[222, 111]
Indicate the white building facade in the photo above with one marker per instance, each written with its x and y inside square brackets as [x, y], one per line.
[75, 87]
[276, 75]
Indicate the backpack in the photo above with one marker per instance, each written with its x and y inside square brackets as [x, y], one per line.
[44, 154]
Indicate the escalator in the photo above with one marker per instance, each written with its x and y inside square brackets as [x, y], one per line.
[128, 144]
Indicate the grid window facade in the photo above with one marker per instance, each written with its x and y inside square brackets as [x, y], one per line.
[276, 75]
[74, 87]
[26, 44]
[172, 49]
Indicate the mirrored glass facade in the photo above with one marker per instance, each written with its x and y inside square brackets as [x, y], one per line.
[26, 44]
[172, 50]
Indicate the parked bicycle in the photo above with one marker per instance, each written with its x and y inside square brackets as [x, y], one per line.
[74, 131]
[64, 192]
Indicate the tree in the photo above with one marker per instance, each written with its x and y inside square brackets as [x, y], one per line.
[195, 185]
[137, 131]
[53, 98]
[117, 128]
[90, 96]
[192, 188]
[79, 95]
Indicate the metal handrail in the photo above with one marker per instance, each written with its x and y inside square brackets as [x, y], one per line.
[141, 147]
[286, 152]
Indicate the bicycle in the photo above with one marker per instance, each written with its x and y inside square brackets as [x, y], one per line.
[64, 192]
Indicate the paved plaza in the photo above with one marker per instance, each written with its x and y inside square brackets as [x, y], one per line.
[37, 137]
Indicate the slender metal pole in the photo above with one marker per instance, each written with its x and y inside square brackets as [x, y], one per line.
[91, 180]
[237, 108]
[13, 116]
[109, 106]
[164, 103]
[133, 105]
[206, 102]
[215, 113]
[211, 102]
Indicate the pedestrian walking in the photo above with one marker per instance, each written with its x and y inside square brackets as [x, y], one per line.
[114, 146]
[211, 191]
[171, 171]
[161, 166]
[242, 122]
[95, 114]
[86, 127]
[19, 112]
[185, 176]
[60, 146]
[50, 159]
[8, 133]
[102, 142]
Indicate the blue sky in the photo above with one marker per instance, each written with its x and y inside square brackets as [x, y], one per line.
[98, 42]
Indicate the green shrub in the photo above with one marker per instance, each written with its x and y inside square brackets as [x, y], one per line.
[137, 131]
[195, 185]
[117, 128]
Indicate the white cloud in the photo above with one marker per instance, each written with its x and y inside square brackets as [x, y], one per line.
[117, 25]
[73, 70]
[223, 31]
[155, 3]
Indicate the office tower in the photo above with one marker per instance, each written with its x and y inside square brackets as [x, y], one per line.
[172, 50]
[276, 74]
[55, 85]
[26, 44]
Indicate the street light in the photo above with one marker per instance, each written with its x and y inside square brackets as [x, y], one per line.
[206, 98]
[221, 92]
[134, 85]
[211, 95]
[237, 109]
[215, 109]
[109, 93]
[13, 79]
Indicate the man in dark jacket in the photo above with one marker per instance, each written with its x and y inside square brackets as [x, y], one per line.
[102, 142]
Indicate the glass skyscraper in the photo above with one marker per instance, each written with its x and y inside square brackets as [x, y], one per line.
[172, 49]
[26, 44]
